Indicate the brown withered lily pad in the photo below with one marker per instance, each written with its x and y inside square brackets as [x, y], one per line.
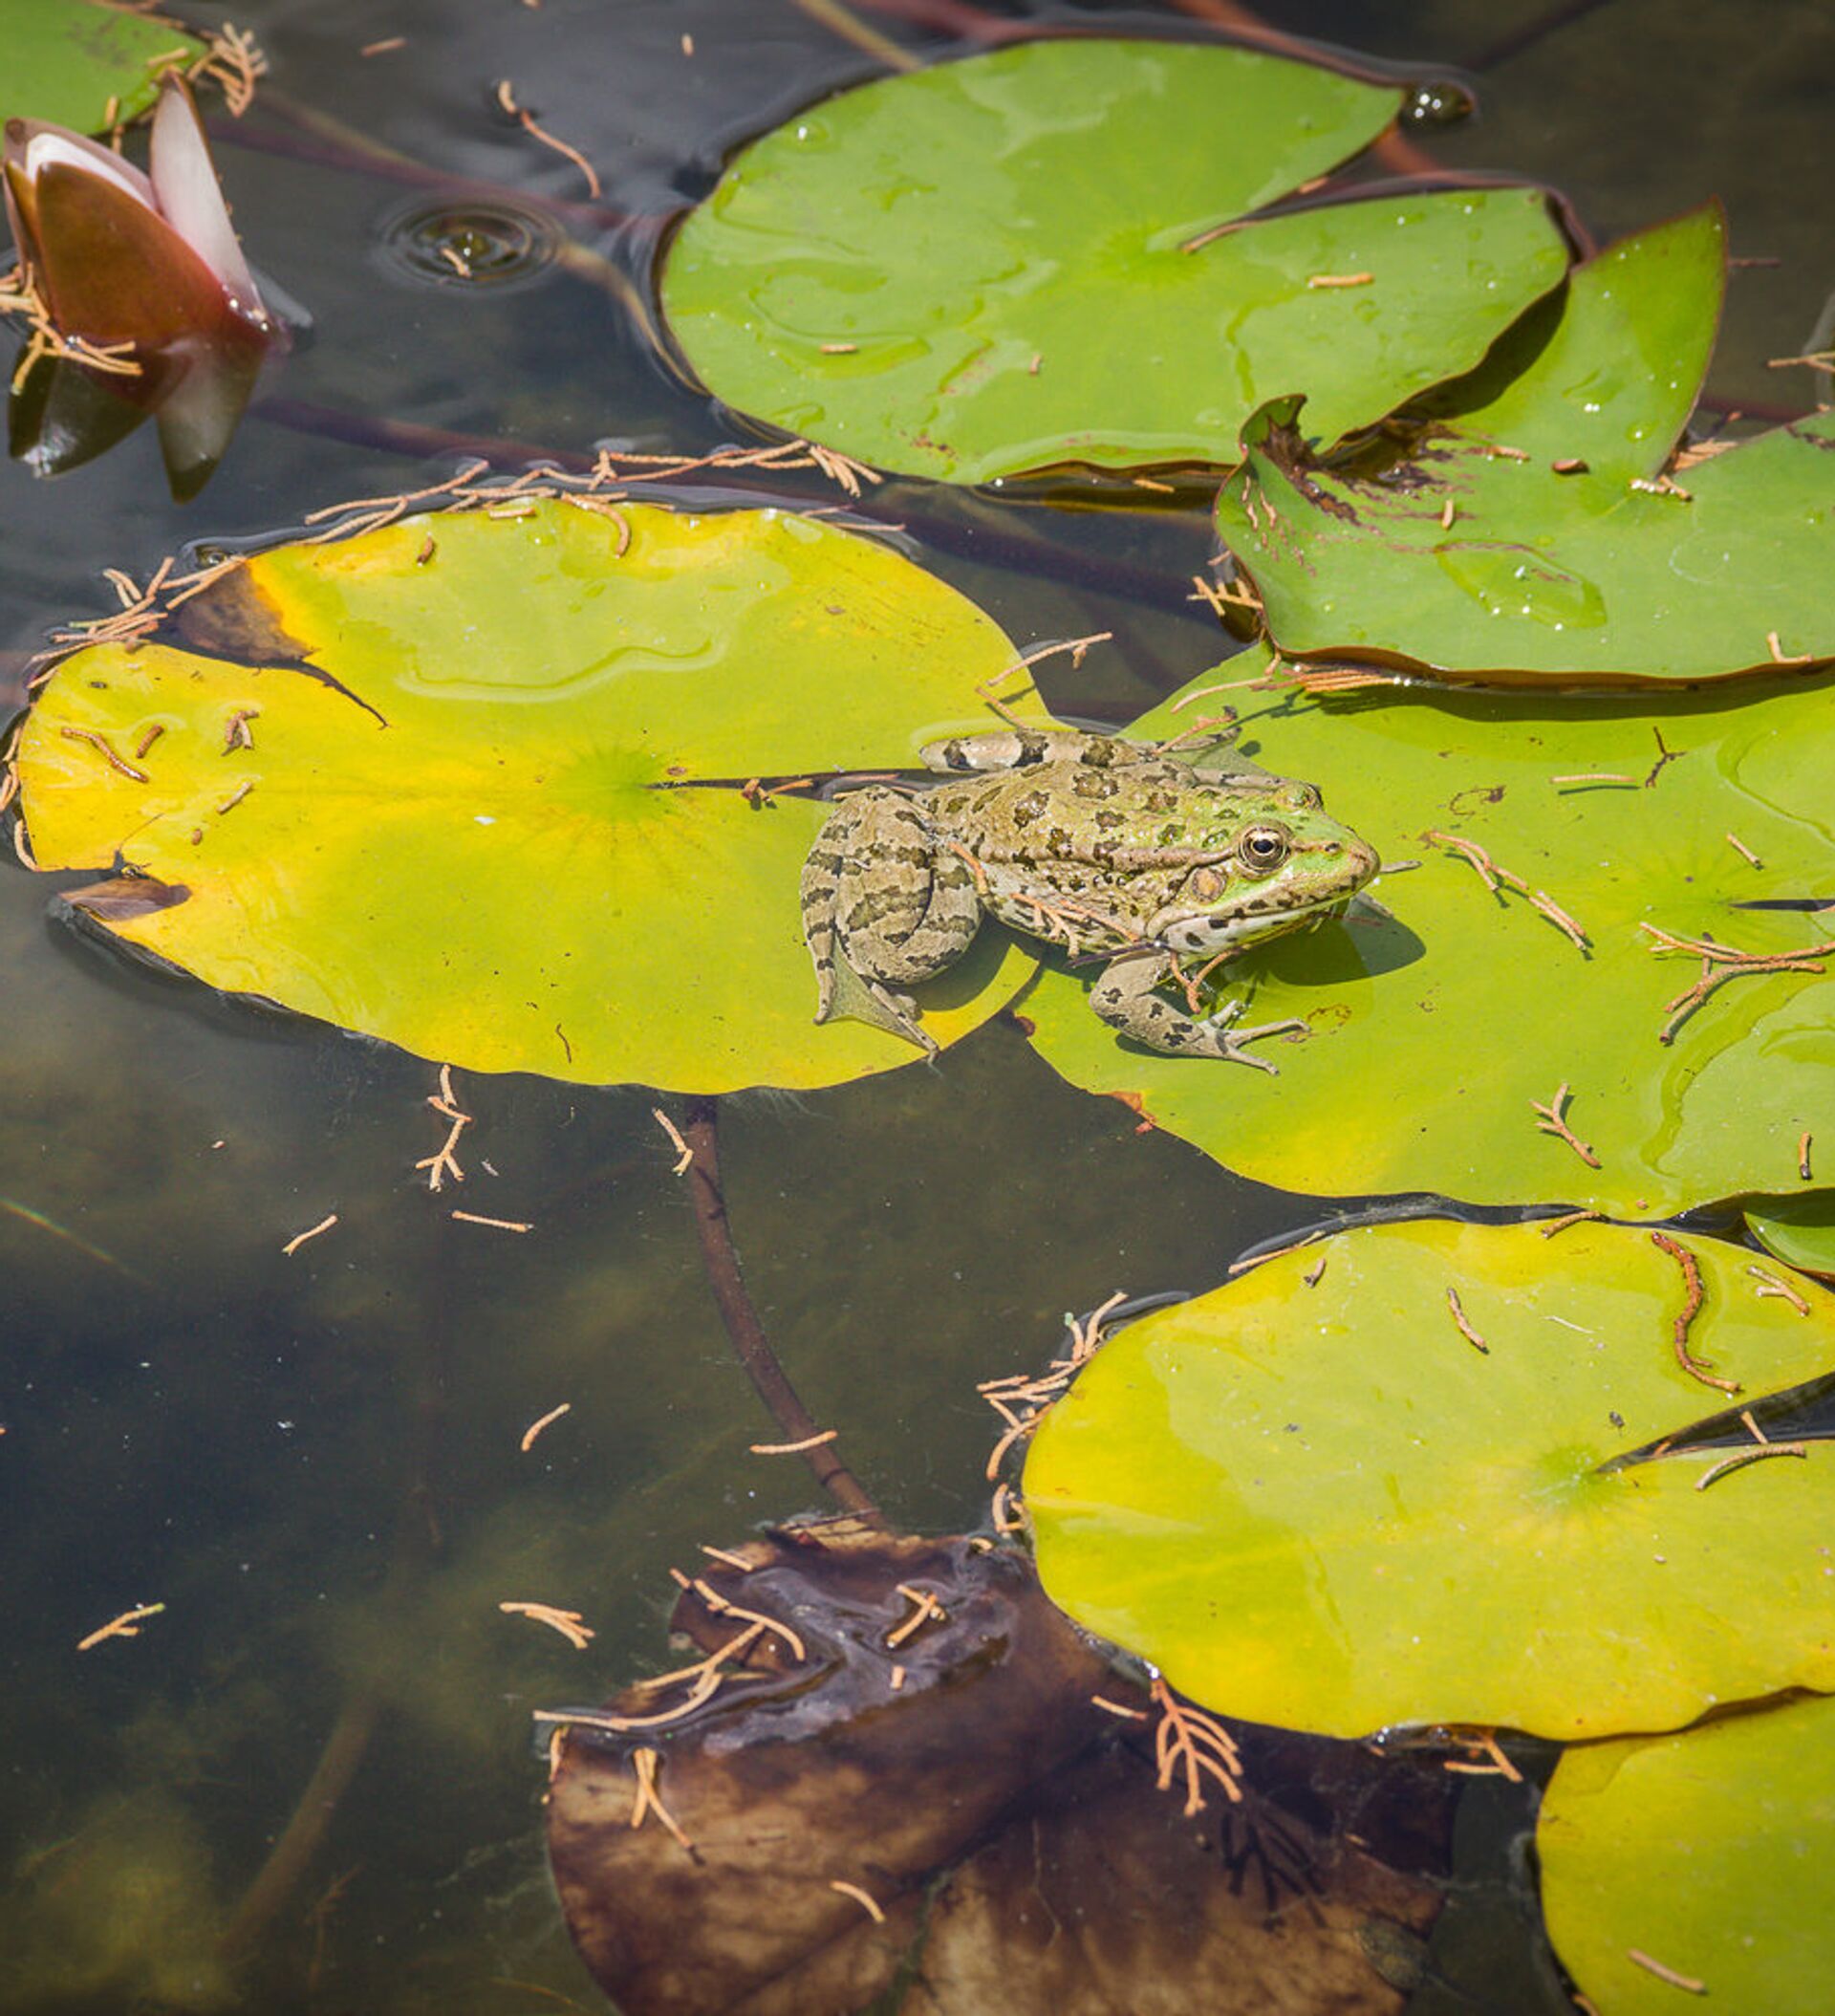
[897, 1783]
[120, 897]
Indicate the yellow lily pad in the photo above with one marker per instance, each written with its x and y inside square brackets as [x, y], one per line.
[490, 807]
[1697, 1865]
[1374, 1482]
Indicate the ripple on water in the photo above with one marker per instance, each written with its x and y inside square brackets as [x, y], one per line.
[482, 243]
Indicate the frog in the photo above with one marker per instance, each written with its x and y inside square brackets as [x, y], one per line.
[1128, 855]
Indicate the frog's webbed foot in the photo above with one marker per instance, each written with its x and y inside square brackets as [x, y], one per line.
[1126, 997]
[1222, 764]
[844, 994]
[1230, 1041]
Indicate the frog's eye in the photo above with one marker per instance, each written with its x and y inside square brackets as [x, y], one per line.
[1207, 885]
[1262, 849]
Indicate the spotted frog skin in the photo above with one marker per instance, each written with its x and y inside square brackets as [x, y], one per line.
[1107, 846]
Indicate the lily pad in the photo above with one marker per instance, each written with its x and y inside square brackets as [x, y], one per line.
[1442, 1014]
[70, 61]
[1607, 369]
[1706, 1855]
[980, 270]
[1798, 1229]
[1533, 536]
[1327, 1506]
[468, 806]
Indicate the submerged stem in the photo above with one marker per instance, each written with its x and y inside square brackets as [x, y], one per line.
[743, 1328]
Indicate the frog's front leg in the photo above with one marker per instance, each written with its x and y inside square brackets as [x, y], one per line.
[884, 906]
[1127, 996]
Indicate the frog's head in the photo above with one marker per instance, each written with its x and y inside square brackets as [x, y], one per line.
[1283, 862]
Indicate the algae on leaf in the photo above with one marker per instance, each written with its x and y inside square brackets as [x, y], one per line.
[1394, 1492]
[1042, 256]
[481, 791]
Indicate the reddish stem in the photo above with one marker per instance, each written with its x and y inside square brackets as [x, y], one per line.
[700, 1131]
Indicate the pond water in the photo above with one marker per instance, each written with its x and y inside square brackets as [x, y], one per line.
[312, 1460]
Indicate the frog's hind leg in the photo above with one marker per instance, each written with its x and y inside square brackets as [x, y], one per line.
[1126, 996]
[883, 906]
[1015, 748]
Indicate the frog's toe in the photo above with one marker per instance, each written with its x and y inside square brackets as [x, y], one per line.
[902, 1018]
[824, 987]
[1231, 1044]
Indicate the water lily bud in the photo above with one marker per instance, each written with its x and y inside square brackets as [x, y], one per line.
[144, 269]
[125, 258]
[190, 198]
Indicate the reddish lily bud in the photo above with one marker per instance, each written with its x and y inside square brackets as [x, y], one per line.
[145, 268]
[126, 258]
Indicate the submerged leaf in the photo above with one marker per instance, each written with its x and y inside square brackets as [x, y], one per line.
[1531, 535]
[980, 269]
[890, 1813]
[1397, 1494]
[1444, 1017]
[480, 791]
[1696, 1855]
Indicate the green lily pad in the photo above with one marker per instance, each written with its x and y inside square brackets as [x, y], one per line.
[1607, 369]
[1798, 1229]
[1441, 1014]
[1707, 1853]
[69, 61]
[984, 268]
[1323, 1507]
[1533, 536]
[472, 821]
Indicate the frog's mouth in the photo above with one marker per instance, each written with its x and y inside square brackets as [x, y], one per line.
[1219, 933]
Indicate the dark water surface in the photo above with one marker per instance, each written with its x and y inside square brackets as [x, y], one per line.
[313, 1461]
